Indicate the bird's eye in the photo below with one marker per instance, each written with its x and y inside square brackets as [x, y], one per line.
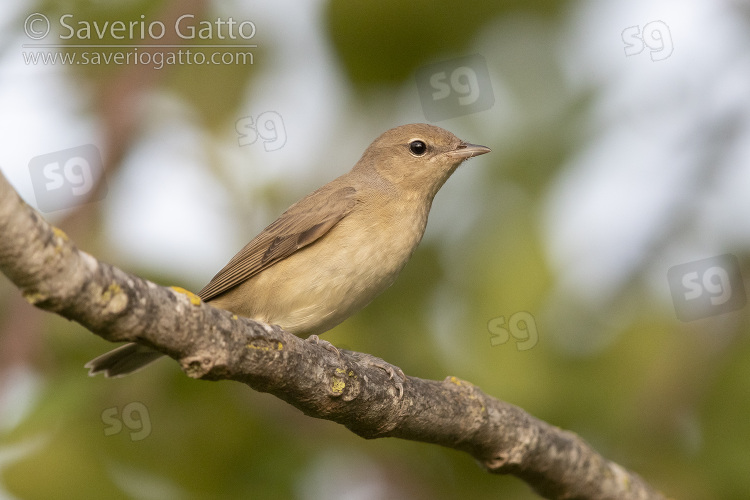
[417, 148]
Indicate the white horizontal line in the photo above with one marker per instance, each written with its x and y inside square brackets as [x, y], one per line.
[73, 46]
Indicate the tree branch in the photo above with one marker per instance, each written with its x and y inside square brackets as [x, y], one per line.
[212, 344]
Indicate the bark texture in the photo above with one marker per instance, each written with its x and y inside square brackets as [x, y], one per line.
[349, 388]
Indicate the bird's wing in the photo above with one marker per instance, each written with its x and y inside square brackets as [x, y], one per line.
[302, 224]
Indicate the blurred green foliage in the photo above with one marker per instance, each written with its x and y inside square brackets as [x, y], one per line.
[382, 43]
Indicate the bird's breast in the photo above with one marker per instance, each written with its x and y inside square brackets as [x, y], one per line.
[321, 285]
[365, 253]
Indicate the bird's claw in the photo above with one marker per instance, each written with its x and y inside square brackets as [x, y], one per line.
[393, 371]
[314, 339]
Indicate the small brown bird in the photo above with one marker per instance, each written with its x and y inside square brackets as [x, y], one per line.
[337, 248]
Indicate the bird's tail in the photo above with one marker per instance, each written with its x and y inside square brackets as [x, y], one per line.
[123, 361]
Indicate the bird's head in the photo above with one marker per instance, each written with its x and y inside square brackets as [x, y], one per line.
[417, 158]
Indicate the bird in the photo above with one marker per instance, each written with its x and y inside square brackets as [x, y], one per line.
[332, 252]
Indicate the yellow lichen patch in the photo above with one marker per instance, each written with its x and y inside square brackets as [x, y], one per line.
[34, 298]
[59, 233]
[482, 408]
[341, 372]
[194, 299]
[114, 299]
[471, 395]
[111, 290]
[235, 317]
[61, 237]
[457, 381]
[258, 347]
[266, 348]
[338, 386]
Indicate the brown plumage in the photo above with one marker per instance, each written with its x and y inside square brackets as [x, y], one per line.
[336, 249]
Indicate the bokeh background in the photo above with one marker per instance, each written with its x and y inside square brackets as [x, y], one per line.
[620, 133]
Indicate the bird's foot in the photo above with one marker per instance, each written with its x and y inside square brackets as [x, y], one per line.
[314, 339]
[393, 371]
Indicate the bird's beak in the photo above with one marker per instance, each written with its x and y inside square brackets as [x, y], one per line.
[466, 150]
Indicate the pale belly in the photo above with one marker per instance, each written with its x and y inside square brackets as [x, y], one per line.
[321, 285]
